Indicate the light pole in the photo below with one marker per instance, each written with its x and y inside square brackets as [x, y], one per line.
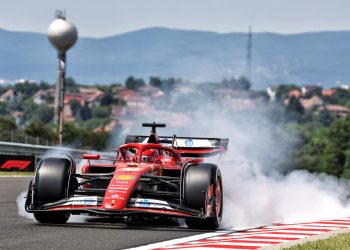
[62, 35]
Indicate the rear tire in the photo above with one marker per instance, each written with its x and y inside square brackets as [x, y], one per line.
[197, 180]
[51, 184]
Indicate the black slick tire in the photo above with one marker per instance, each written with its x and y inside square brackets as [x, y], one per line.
[51, 184]
[197, 180]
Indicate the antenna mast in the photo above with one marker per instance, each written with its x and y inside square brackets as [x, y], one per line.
[249, 56]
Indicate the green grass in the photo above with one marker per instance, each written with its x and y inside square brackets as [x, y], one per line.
[339, 242]
[12, 173]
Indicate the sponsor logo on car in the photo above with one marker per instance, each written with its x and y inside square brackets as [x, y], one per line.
[128, 169]
[189, 143]
[124, 177]
[90, 201]
[143, 203]
[117, 187]
[122, 182]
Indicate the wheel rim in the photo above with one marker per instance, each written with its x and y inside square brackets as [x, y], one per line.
[218, 198]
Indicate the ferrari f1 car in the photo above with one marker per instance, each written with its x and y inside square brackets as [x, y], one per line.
[149, 176]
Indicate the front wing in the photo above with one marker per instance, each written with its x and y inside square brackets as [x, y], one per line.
[136, 206]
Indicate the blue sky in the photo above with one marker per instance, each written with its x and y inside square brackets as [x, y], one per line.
[99, 18]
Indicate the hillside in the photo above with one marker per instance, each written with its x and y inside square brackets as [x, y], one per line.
[308, 58]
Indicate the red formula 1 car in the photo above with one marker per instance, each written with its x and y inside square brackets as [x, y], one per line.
[150, 176]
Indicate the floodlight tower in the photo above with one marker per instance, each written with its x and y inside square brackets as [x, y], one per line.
[62, 35]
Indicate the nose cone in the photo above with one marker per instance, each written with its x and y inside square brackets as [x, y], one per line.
[62, 34]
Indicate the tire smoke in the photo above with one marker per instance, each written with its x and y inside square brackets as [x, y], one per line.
[256, 190]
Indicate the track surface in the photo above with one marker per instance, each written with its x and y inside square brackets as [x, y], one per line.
[19, 233]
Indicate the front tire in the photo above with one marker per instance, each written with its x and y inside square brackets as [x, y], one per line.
[51, 184]
[199, 181]
[51, 217]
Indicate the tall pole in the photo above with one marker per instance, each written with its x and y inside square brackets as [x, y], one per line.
[59, 98]
[62, 35]
[249, 56]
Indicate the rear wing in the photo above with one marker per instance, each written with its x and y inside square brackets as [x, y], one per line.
[187, 146]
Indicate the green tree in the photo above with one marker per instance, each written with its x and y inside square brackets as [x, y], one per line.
[71, 85]
[44, 85]
[71, 133]
[39, 129]
[7, 123]
[133, 83]
[26, 88]
[95, 140]
[106, 100]
[155, 81]
[85, 112]
[327, 150]
[340, 97]
[101, 112]
[75, 107]
[35, 112]
[283, 90]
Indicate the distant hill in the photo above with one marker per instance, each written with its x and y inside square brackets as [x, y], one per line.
[307, 58]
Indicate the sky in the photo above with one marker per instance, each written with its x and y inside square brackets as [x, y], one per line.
[101, 18]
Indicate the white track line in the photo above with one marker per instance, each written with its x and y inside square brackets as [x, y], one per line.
[178, 241]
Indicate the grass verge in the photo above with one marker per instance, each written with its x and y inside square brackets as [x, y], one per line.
[338, 242]
[12, 173]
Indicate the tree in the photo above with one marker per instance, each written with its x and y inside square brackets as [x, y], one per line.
[32, 112]
[100, 112]
[7, 123]
[71, 85]
[85, 112]
[27, 88]
[327, 150]
[4, 108]
[106, 100]
[295, 109]
[169, 84]
[325, 117]
[95, 140]
[133, 83]
[71, 133]
[75, 107]
[39, 129]
[340, 97]
[44, 85]
[282, 91]
[155, 82]
[242, 83]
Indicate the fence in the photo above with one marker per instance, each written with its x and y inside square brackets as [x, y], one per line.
[14, 136]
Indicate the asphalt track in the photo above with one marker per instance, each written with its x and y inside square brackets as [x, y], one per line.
[17, 232]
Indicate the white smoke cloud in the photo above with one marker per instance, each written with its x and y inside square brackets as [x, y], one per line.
[21, 199]
[255, 190]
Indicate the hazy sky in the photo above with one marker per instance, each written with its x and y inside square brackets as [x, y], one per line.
[98, 18]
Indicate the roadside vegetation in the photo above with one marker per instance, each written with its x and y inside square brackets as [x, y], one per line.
[338, 242]
[16, 173]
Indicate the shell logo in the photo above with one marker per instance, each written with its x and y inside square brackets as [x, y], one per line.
[124, 177]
